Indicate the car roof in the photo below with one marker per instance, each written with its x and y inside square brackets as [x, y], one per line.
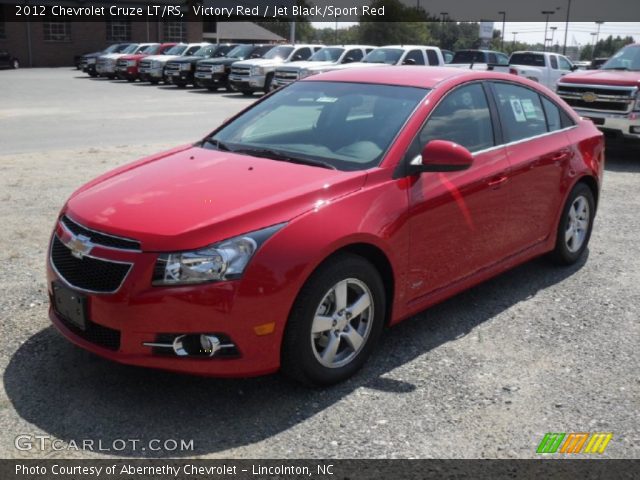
[408, 46]
[409, 76]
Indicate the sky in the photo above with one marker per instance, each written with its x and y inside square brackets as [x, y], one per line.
[533, 32]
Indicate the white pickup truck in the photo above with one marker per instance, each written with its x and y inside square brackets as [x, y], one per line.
[542, 67]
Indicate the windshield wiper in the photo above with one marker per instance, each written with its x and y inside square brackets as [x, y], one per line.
[217, 143]
[285, 157]
[616, 68]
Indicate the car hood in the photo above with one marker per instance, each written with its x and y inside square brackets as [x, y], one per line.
[219, 61]
[92, 54]
[306, 64]
[136, 56]
[114, 56]
[190, 197]
[189, 59]
[604, 77]
[262, 62]
[347, 66]
[162, 58]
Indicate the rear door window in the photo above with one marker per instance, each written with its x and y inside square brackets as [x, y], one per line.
[528, 59]
[432, 56]
[554, 61]
[552, 113]
[414, 57]
[520, 110]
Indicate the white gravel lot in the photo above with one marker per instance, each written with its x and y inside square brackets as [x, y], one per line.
[485, 374]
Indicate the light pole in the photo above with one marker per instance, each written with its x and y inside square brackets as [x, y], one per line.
[444, 17]
[553, 35]
[546, 25]
[504, 18]
[597, 37]
[514, 39]
[566, 29]
[593, 45]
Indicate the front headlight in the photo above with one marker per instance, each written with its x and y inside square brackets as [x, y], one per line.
[306, 73]
[91, 61]
[156, 64]
[224, 260]
[257, 71]
[217, 68]
[185, 66]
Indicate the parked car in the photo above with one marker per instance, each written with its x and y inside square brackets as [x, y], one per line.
[106, 64]
[256, 75]
[7, 60]
[151, 68]
[390, 55]
[596, 63]
[542, 67]
[88, 62]
[181, 71]
[332, 55]
[127, 65]
[214, 73]
[466, 58]
[608, 96]
[294, 232]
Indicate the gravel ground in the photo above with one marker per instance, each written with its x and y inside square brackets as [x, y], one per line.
[485, 374]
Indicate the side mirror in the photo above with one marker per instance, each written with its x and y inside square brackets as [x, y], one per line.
[441, 156]
[409, 61]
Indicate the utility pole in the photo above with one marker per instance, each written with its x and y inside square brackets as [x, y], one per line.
[553, 35]
[292, 33]
[597, 37]
[514, 39]
[593, 45]
[566, 29]
[546, 25]
[504, 19]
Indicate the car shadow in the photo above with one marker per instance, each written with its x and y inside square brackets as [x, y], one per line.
[73, 395]
[622, 155]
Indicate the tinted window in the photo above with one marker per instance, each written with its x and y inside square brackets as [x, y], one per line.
[530, 59]
[462, 117]
[354, 55]
[469, 56]
[493, 58]
[432, 56]
[554, 61]
[301, 54]
[553, 115]
[414, 57]
[191, 50]
[389, 56]
[520, 111]
[564, 63]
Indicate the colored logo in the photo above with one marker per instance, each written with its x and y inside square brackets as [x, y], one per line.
[574, 443]
[589, 97]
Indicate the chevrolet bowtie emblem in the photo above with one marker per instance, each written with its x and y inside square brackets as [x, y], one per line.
[589, 97]
[79, 245]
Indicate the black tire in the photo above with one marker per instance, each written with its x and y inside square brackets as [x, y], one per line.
[180, 85]
[229, 88]
[93, 74]
[154, 82]
[563, 253]
[247, 93]
[298, 359]
[212, 89]
[267, 83]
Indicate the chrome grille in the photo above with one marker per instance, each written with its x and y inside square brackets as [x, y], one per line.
[241, 71]
[172, 67]
[598, 97]
[99, 238]
[204, 68]
[144, 64]
[286, 75]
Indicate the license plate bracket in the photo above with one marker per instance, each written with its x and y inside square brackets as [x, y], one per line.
[70, 305]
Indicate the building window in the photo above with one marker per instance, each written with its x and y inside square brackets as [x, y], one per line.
[118, 30]
[175, 31]
[57, 31]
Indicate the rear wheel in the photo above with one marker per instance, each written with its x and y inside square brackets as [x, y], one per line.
[247, 93]
[154, 82]
[212, 89]
[335, 322]
[575, 226]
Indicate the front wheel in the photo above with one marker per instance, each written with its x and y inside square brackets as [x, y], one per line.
[576, 223]
[335, 322]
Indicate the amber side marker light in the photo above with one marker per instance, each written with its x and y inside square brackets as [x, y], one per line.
[265, 329]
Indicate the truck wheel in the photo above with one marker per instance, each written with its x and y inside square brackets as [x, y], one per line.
[335, 322]
[267, 83]
[212, 89]
[247, 93]
[154, 82]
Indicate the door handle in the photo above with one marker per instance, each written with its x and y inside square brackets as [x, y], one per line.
[560, 157]
[497, 181]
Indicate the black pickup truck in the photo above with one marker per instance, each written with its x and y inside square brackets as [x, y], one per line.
[214, 73]
[181, 71]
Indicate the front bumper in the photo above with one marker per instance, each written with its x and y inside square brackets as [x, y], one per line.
[627, 124]
[138, 313]
[108, 69]
[250, 83]
[204, 79]
[178, 77]
[148, 74]
[127, 73]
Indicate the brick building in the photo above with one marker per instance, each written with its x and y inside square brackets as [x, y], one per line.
[49, 42]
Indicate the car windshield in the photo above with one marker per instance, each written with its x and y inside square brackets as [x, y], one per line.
[469, 56]
[241, 51]
[626, 59]
[346, 126]
[278, 52]
[329, 54]
[176, 50]
[131, 48]
[389, 56]
[528, 59]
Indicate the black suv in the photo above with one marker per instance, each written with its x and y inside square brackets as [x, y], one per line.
[214, 73]
[88, 61]
[7, 60]
[181, 71]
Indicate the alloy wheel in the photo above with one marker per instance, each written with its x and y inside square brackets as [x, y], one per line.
[577, 224]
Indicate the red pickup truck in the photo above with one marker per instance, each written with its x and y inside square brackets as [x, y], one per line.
[127, 66]
[610, 95]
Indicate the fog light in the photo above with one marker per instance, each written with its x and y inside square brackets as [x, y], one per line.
[196, 345]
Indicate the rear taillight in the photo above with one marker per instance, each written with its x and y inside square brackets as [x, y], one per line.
[513, 71]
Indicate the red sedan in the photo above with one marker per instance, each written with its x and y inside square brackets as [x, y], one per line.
[291, 235]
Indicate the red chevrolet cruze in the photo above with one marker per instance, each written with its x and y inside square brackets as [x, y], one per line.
[291, 235]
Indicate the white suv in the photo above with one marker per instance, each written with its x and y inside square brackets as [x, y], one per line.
[256, 75]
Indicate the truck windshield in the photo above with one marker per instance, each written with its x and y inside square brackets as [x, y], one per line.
[241, 51]
[390, 56]
[278, 52]
[344, 126]
[469, 56]
[176, 50]
[626, 59]
[528, 59]
[329, 54]
[131, 48]
[150, 50]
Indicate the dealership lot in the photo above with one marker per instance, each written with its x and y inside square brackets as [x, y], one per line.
[486, 374]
